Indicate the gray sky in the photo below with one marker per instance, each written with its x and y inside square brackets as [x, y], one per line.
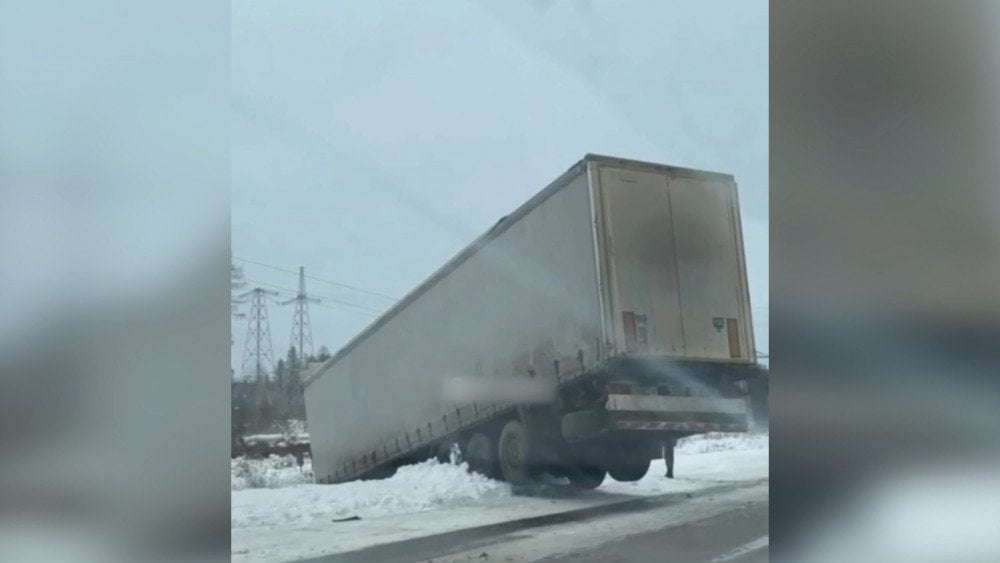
[371, 141]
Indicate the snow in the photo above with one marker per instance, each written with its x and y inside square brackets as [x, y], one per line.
[273, 472]
[294, 438]
[700, 461]
[291, 431]
[290, 518]
[413, 488]
[719, 441]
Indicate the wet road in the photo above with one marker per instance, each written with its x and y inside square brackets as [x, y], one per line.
[736, 536]
[721, 524]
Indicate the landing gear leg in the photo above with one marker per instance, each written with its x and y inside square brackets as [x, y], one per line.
[668, 457]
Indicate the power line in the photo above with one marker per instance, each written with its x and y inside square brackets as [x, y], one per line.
[285, 289]
[360, 312]
[333, 299]
[331, 282]
[327, 298]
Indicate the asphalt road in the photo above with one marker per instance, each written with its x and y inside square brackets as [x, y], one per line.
[723, 524]
[735, 536]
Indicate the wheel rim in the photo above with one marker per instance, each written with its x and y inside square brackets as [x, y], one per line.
[513, 452]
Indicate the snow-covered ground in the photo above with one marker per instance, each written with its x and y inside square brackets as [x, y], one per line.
[702, 461]
[298, 437]
[278, 515]
[413, 488]
[271, 473]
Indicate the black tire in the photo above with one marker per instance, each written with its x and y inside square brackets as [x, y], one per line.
[586, 476]
[628, 470]
[481, 454]
[514, 454]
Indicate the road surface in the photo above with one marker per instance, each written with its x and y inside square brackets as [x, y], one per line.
[736, 536]
[720, 524]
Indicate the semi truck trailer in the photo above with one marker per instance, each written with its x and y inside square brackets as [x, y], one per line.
[606, 317]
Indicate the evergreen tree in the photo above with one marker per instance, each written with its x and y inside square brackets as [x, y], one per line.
[291, 391]
[266, 413]
[281, 373]
[324, 354]
[239, 414]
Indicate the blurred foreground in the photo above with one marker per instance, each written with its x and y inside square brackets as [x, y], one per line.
[114, 236]
[885, 316]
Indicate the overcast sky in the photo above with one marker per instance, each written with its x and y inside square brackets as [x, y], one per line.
[371, 141]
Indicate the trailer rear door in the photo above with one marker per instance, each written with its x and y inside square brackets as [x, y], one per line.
[674, 265]
[709, 265]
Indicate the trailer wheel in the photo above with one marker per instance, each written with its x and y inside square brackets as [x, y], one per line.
[481, 455]
[586, 476]
[627, 470]
[514, 453]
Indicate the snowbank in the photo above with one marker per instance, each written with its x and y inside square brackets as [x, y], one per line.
[413, 488]
[283, 471]
[701, 461]
[291, 431]
[295, 438]
[720, 441]
[271, 473]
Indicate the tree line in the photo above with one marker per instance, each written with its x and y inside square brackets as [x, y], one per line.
[265, 404]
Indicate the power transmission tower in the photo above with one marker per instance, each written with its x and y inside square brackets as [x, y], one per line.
[257, 353]
[301, 330]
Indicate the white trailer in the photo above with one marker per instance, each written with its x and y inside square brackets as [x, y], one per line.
[606, 316]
